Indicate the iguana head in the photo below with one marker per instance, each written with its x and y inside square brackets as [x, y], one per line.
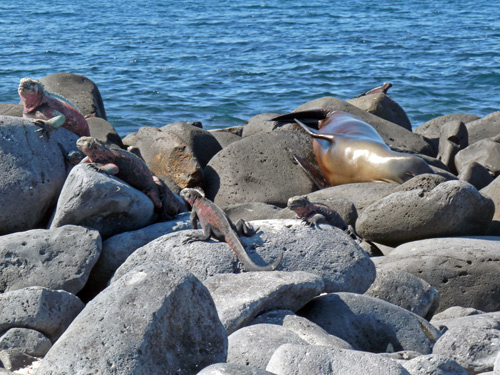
[31, 93]
[91, 146]
[298, 202]
[190, 195]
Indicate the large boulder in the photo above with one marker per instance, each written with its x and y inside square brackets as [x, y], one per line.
[465, 271]
[452, 208]
[371, 324]
[486, 127]
[328, 252]
[56, 259]
[240, 297]
[157, 319]
[100, 201]
[263, 123]
[395, 136]
[293, 359]
[260, 168]
[485, 152]
[233, 369]
[32, 172]
[44, 310]
[432, 128]
[79, 90]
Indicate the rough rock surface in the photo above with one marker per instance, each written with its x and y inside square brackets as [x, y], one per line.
[292, 359]
[328, 252]
[27, 340]
[79, 90]
[452, 208]
[485, 152]
[486, 127]
[371, 324]
[104, 131]
[232, 369]
[252, 211]
[254, 345]
[156, 319]
[405, 290]
[493, 191]
[263, 123]
[260, 168]
[100, 201]
[116, 249]
[478, 320]
[240, 297]
[433, 364]
[465, 271]
[32, 172]
[47, 311]
[56, 259]
[452, 139]
[476, 175]
[473, 348]
[432, 128]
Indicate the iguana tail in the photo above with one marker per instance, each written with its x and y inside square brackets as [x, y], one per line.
[235, 245]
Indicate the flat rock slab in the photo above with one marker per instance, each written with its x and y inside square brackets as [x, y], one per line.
[56, 259]
[290, 359]
[260, 168]
[465, 271]
[405, 290]
[105, 203]
[32, 172]
[47, 311]
[240, 297]
[370, 324]
[328, 252]
[157, 319]
[452, 208]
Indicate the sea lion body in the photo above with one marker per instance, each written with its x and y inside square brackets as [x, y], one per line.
[350, 150]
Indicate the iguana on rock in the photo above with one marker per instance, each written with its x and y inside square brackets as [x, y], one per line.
[133, 170]
[216, 224]
[313, 214]
[50, 110]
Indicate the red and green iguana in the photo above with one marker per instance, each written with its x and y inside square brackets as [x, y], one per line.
[216, 224]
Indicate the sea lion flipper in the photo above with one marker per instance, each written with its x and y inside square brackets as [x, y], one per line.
[314, 133]
[315, 176]
[310, 117]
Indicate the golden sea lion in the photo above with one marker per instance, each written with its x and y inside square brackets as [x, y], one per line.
[350, 150]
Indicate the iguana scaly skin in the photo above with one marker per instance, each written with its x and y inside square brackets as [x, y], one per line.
[129, 168]
[216, 224]
[314, 213]
[50, 110]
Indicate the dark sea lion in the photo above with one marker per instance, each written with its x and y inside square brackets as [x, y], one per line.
[350, 150]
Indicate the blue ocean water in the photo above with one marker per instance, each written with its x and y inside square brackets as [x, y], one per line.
[221, 62]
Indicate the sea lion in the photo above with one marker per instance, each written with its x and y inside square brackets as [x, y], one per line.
[350, 150]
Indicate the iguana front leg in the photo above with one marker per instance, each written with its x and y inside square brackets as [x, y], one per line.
[314, 220]
[244, 228]
[201, 235]
[48, 126]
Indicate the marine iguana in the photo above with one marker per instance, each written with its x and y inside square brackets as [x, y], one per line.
[133, 170]
[51, 111]
[216, 224]
[313, 214]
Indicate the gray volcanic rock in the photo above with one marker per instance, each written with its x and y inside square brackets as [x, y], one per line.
[362, 194]
[157, 319]
[254, 345]
[232, 369]
[382, 105]
[225, 138]
[290, 359]
[79, 90]
[485, 152]
[25, 340]
[308, 331]
[476, 175]
[252, 211]
[465, 271]
[475, 349]
[240, 297]
[433, 364]
[260, 168]
[13, 359]
[263, 123]
[116, 249]
[405, 290]
[370, 324]
[47, 311]
[104, 131]
[486, 127]
[493, 191]
[394, 135]
[201, 141]
[432, 128]
[452, 139]
[60, 258]
[482, 320]
[32, 172]
[100, 201]
[328, 252]
[7, 109]
[452, 208]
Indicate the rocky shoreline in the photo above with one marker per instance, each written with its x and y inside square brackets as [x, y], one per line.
[92, 282]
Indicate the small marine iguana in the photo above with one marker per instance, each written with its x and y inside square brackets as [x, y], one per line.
[216, 224]
[133, 170]
[51, 111]
[313, 214]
